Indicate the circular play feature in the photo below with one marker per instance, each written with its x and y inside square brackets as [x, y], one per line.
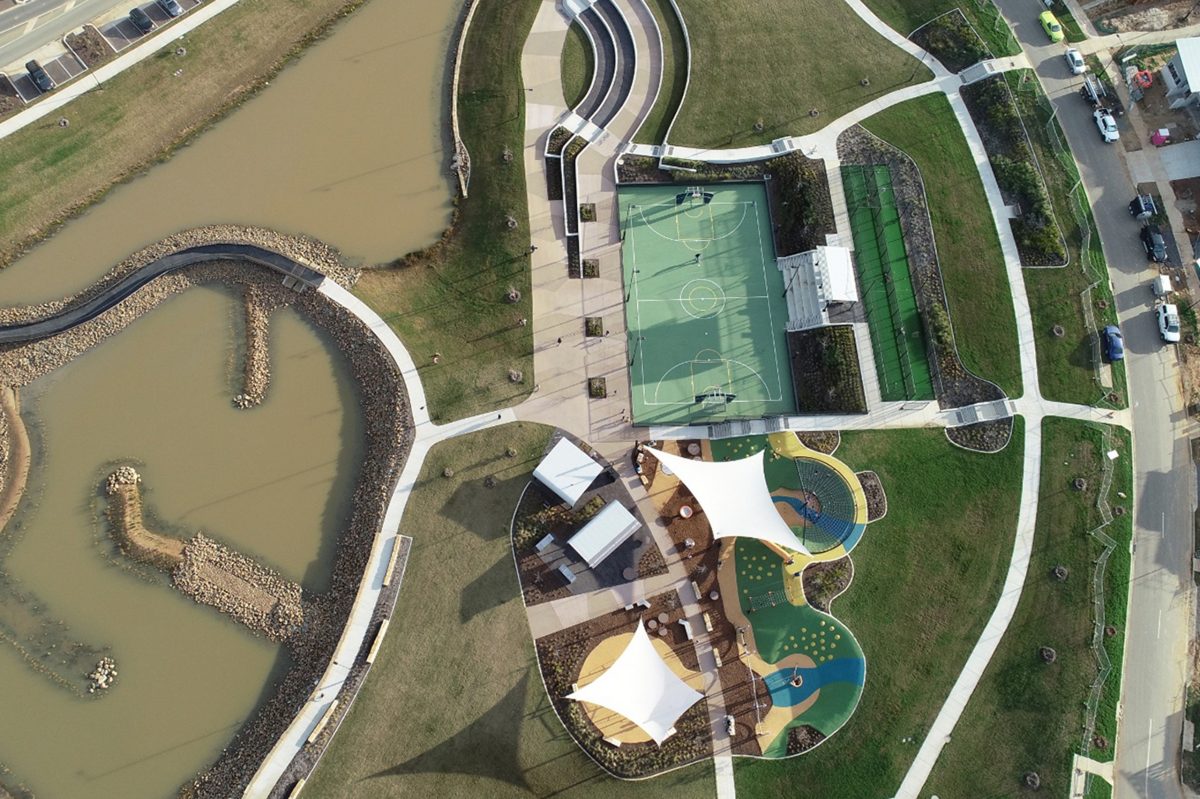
[702, 298]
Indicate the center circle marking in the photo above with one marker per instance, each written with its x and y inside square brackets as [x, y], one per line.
[702, 298]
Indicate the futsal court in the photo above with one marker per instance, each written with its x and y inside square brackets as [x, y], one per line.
[704, 304]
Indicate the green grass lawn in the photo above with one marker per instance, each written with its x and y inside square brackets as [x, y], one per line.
[454, 706]
[1027, 715]
[452, 299]
[674, 75]
[973, 272]
[926, 578]
[770, 61]
[906, 16]
[1065, 363]
[48, 173]
[578, 64]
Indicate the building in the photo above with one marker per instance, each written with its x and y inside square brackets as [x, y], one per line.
[1180, 71]
[813, 280]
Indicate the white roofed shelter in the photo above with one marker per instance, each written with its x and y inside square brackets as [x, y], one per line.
[642, 688]
[814, 279]
[735, 498]
[606, 531]
[567, 471]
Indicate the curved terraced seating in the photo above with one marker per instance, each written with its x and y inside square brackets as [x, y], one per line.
[604, 56]
[89, 309]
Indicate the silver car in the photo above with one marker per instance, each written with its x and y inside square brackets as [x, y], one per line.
[1075, 62]
[1107, 125]
[1168, 322]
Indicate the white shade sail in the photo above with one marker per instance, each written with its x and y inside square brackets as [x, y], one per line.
[642, 688]
[735, 497]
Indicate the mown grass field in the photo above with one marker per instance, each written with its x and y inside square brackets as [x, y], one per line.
[454, 706]
[48, 173]
[769, 61]
[1027, 715]
[972, 264]
[926, 578]
[451, 300]
[577, 65]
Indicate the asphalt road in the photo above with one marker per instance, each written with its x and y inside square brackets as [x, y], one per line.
[50, 20]
[1159, 622]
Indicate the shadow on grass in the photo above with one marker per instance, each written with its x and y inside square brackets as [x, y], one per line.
[495, 587]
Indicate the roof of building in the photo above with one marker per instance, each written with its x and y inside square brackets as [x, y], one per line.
[567, 471]
[606, 531]
[641, 687]
[813, 279]
[1189, 57]
[735, 497]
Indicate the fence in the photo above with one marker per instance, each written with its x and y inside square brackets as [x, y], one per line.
[997, 31]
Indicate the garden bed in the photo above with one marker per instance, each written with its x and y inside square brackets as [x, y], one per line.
[825, 370]
[823, 441]
[824, 582]
[951, 40]
[954, 385]
[876, 497]
[994, 110]
[982, 436]
[91, 47]
[10, 101]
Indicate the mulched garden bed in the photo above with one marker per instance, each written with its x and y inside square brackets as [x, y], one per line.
[1039, 240]
[91, 47]
[824, 582]
[982, 436]
[803, 738]
[825, 442]
[954, 385]
[10, 101]
[798, 192]
[557, 140]
[951, 40]
[561, 656]
[825, 370]
[554, 183]
[876, 498]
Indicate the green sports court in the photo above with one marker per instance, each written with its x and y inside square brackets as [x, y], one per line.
[704, 304]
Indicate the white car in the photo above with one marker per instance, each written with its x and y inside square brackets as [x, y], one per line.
[1107, 125]
[1075, 62]
[1168, 322]
[730, 725]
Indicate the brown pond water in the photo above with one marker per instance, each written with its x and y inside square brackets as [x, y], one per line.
[345, 146]
[273, 482]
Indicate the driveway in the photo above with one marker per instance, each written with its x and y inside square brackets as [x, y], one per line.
[1158, 623]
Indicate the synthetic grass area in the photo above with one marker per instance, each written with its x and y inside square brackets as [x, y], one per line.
[454, 706]
[906, 16]
[770, 61]
[972, 264]
[926, 578]
[1027, 715]
[674, 74]
[897, 334]
[578, 65]
[1065, 362]
[451, 300]
[48, 173]
[705, 311]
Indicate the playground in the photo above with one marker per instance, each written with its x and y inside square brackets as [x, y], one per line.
[704, 304]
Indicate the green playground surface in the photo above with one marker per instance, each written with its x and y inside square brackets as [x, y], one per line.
[891, 305]
[704, 305]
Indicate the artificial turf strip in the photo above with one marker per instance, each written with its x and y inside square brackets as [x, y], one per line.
[1027, 715]
[759, 67]
[926, 578]
[972, 264]
[454, 707]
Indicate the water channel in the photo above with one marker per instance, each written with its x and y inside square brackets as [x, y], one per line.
[344, 146]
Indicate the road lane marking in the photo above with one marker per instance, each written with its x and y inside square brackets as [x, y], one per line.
[1163, 531]
[1149, 732]
[1159, 623]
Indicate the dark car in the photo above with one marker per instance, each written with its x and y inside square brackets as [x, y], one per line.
[40, 77]
[1114, 343]
[141, 20]
[1154, 243]
[172, 7]
[1142, 207]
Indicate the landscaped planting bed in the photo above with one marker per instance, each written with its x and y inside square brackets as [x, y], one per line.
[951, 40]
[825, 370]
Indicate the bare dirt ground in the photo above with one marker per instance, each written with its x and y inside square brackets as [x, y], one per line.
[90, 46]
[1122, 17]
[1158, 114]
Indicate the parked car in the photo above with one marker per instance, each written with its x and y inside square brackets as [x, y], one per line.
[172, 7]
[1168, 322]
[1154, 244]
[141, 20]
[1142, 207]
[1107, 125]
[1075, 62]
[40, 77]
[1113, 342]
[1051, 26]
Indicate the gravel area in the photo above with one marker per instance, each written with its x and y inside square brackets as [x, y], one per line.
[955, 386]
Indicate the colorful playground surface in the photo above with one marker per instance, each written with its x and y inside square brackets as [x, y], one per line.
[704, 304]
[809, 661]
